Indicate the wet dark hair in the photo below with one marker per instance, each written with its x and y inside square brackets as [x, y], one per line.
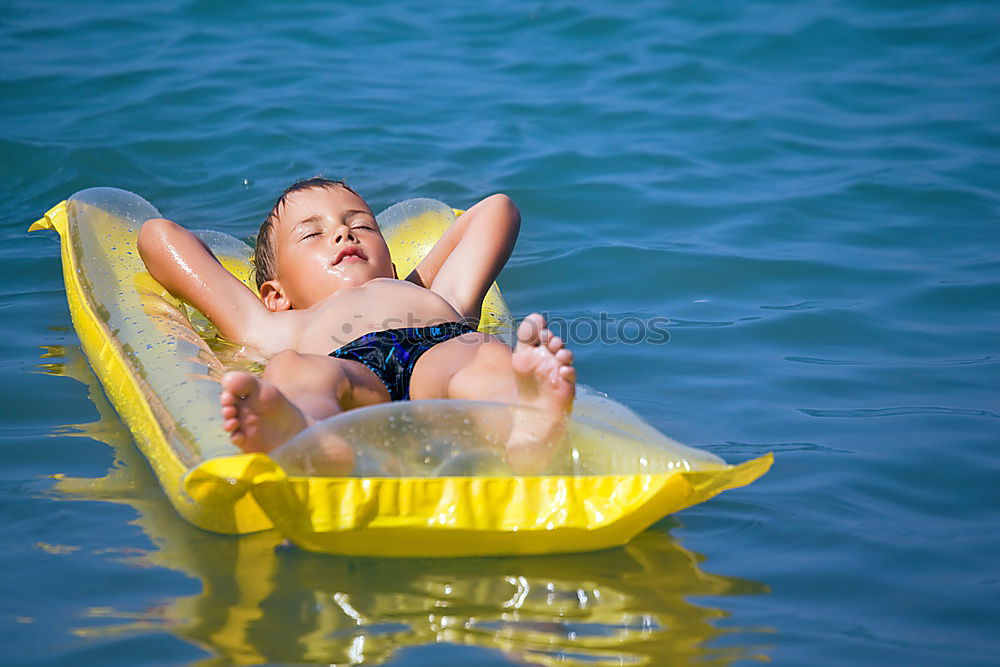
[264, 261]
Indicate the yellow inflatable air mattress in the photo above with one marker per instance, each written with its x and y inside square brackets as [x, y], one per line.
[429, 480]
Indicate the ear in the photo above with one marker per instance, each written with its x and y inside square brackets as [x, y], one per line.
[274, 297]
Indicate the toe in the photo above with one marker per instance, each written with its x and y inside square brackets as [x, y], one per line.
[239, 384]
[564, 357]
[555, 344]
[229, 411]
[530, 328]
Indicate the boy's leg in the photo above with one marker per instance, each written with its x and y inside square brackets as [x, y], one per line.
[538, 373]
[295, 391]
[322, 386]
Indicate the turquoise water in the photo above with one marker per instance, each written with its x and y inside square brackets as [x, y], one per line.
[808, 191]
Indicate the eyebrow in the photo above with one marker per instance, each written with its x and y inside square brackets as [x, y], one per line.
[353, 213]
[306, 221]
[316, 218]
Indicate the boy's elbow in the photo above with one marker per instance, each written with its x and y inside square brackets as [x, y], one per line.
[155, 236]
[506, 207]
[153, 232]
[504, 201]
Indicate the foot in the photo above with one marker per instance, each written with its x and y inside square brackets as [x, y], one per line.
[546, 381]
[256, 415]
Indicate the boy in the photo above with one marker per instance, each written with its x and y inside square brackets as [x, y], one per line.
[323, 271]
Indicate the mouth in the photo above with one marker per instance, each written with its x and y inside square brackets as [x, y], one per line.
[351, 253]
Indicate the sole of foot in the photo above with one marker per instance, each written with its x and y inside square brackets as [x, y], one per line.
[546, 383]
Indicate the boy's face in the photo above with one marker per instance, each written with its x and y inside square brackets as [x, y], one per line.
[325, 239]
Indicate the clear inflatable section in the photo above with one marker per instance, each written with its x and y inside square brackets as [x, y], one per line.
[479, 439]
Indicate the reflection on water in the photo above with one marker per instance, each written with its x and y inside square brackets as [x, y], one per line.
[261, 602]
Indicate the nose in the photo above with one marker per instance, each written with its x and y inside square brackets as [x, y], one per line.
[344, 233]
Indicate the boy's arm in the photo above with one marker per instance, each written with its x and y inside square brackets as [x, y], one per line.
[427, 269]
[179, 261]
[467, 259]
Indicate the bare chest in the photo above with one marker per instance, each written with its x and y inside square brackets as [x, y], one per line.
[376, 306]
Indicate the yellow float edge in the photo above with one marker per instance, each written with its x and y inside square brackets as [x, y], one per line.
[462, 516]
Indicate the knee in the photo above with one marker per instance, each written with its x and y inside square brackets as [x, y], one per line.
[493, 354]
[290, 367]
[293, 369]
[489, 376]
[283, 363]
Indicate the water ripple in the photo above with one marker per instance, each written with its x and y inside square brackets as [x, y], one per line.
[861, 413]
[892, 362]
